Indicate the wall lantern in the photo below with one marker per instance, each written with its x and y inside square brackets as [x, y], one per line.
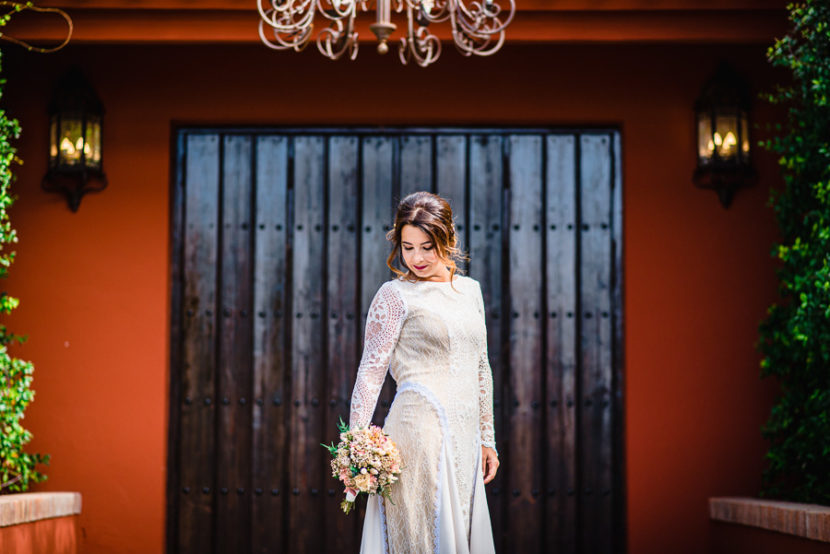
[723, 143]
[75, 116]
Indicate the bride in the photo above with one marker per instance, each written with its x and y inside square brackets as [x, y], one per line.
[427, 328]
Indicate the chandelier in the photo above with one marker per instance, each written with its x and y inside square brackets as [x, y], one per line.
[477, 26]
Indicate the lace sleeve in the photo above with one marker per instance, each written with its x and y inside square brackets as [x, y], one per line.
[485, 384]
[384, 320]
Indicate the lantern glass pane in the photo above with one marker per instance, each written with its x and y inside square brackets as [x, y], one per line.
[705, 145]
[726, 136]
[53, 141]
[71, 142]
[92, 146]
[745, 135]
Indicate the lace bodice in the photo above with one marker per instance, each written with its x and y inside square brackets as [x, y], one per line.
[431, 333]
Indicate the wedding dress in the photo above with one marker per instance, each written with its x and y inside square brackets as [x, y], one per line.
[431, 337]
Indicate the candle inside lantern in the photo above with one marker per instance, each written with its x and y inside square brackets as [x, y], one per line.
[729, 141]
[726, 140]
[67, 147]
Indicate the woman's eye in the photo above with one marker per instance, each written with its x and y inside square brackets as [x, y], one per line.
[430, 248]
[407, 249]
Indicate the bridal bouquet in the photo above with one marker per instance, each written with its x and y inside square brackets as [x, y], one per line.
[365, 460]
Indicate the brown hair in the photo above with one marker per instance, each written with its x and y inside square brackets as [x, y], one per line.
[433, 215]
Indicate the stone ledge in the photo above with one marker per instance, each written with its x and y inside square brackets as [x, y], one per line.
[811, 521]
[33, 506]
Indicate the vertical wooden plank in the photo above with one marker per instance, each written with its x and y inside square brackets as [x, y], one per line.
[270, 359]
[377, 218]
[196, 448]
[560, 270]
[416, 163]
[486, 254]
[307, 463]
[342, 533]
[596, 388]
[450, 182]
[526, 342]
[618, 355]
[233, 465]
[177, 237]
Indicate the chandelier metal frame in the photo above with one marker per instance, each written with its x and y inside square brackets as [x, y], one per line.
[478, 27]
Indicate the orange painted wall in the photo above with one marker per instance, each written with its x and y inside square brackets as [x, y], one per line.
[94, 285]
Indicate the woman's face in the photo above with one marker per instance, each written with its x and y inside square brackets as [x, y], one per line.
[420, 254]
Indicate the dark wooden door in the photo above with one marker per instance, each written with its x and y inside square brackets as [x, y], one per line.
[278, 245]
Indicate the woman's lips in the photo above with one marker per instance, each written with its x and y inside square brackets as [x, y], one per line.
[419, 267]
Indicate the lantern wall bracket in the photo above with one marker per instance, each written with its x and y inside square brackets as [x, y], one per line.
[725, 181]
[74, 185]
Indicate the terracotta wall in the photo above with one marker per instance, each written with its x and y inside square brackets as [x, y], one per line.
[94, 285]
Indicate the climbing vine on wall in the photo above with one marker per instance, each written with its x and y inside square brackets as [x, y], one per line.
[795, 335]
[18, 468]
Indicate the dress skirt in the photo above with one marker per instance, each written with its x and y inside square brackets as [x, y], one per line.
[436, 496]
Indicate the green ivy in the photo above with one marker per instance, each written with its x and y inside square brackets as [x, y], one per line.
[17, 467]
[795, 335]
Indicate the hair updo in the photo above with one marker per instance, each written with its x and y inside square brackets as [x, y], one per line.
[433, 215]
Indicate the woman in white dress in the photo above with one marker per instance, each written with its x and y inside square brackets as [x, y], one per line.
[427, 328]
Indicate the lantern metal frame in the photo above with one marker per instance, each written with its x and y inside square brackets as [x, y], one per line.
[724, 99]
[75, 172]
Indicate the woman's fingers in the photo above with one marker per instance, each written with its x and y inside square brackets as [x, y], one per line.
[491, 473]
[492, 463]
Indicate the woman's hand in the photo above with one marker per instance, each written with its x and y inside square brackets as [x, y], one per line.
[490, 463]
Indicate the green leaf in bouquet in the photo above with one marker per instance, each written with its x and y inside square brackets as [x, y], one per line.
[342, 427]
[331, 448]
